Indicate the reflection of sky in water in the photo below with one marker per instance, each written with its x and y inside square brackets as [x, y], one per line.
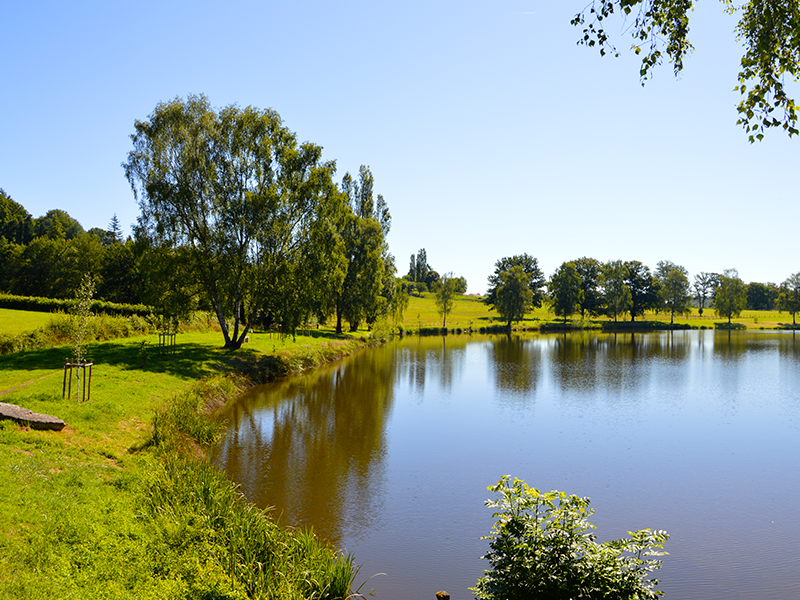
[389, 453]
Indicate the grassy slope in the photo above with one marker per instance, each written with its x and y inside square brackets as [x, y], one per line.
[13, 322]
[72, 502]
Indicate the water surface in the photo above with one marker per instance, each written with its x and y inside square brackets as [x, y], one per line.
[388, 453]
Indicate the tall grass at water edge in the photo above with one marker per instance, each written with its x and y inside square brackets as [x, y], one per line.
[155, 521]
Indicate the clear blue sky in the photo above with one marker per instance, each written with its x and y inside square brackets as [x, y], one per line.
[488, 130]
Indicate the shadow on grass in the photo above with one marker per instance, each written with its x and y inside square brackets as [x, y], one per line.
[188, 361]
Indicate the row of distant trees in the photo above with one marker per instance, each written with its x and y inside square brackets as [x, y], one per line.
[237, 217]
[617, 288]
[421, 277]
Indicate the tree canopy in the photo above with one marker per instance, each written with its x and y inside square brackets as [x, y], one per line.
[247, 203]
[769, 30]
[731, 297]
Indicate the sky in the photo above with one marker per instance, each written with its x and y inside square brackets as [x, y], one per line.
[488, 130]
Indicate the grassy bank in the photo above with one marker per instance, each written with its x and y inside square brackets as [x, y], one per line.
[122, 504]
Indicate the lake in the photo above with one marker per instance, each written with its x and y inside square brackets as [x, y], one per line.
[388, 453]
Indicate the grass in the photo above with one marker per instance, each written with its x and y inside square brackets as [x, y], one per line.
[122, 504]
[14, 322]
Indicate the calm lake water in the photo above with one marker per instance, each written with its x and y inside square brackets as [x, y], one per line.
[388, 453]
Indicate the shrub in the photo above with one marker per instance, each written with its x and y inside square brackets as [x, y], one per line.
[541, 547]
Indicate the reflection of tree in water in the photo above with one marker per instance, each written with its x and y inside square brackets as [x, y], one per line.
[584, 361]
[311, 444]
[440, 357]
[516, 362]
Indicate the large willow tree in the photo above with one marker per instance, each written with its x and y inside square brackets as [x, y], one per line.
[248, 206]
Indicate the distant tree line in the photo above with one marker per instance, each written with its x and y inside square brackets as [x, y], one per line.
[586, 286]
[421, 277]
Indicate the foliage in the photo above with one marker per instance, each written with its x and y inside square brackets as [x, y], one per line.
[418, 267]
[565, 290]
[644, 288]
[16, 223]
[789, 297]
[542, 547]
[82, 318]
[768, 29]
[369, 267]
[731, 296]
[513, 298]
[236, 192]
[761, 296]
[446, 296]
[56, 224]
[675, 289]
[704, 286]
[591, 299]
[532, 277]
[617, 295]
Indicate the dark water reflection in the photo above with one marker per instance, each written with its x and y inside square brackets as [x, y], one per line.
[388, 454]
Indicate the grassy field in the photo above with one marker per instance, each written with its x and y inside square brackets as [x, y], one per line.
[120, 503]
[13, 322]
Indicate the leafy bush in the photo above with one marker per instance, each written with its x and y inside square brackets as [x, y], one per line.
[541, 547]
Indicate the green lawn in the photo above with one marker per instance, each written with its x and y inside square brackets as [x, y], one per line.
[14, 322]
[71, 521]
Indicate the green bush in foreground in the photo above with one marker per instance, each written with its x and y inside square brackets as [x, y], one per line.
[541, 547]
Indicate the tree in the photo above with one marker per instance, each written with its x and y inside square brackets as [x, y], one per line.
[16, 223]
[513, 296]
[761, 296]
[418, 267]
[674, 288]
[644, 288]
[731, 297]
[704, 286]
[789, 298]
[534, 277]
[541, 547]
[616, 295]
[768, 29]
[365, 252]
[565, 290]
[591, 299]
[239, 196]
[461, 285]
[446, 296]
[57, 224]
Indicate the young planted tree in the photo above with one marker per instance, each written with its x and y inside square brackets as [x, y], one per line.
[564, 291]
[789, 298]
[731, 296]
